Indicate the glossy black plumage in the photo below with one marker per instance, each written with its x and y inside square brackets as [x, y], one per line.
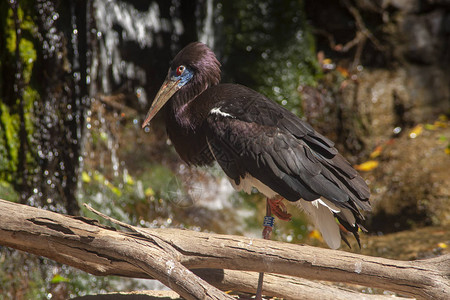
[262, 136]
[249, 134]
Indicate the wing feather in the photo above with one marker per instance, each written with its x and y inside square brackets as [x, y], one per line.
[283, 152]
[254, 136]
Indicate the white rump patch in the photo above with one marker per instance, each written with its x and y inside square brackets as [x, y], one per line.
[321, 213]
[326, 203]
[248, 182]
[217, 111]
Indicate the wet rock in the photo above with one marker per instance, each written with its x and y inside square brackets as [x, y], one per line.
[422, 40]
[411, 186]
[392, 100]
[408, 6]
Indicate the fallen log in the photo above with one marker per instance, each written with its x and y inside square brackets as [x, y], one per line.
[169, 255]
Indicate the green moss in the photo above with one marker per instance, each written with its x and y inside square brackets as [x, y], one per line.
[10, 142]
[7, 192]
[28, 56]
[10, 106]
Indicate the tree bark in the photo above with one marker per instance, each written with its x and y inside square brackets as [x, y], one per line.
[282, 286]
[168, 254]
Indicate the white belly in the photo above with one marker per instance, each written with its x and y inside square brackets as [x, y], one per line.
[249, 182]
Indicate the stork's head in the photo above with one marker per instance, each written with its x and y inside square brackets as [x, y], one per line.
[192, 71]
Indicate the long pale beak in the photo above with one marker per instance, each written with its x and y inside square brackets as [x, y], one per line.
[168, 88]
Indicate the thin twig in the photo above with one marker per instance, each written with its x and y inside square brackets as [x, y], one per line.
[125, 225]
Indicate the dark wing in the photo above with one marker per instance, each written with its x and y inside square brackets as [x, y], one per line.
[254, 135]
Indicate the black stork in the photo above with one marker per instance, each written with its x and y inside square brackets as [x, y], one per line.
[258, 143]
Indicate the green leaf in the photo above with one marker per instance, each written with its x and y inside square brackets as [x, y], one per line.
[58, 278]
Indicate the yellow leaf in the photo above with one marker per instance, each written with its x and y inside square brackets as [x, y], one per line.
[367, 166]
[416, 131]
[447, 150]
[375, 153]
[113, 188]
[149, 192]
[343, 71]
[128, 179]
[85, 177]
[442, 245]
[443, 118]
[315, 234]
[440, 124]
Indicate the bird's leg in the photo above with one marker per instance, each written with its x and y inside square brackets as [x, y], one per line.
[268, 221]
[278, 208]
[267, 231]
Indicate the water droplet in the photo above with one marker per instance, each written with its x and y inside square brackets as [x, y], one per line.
[276, 89]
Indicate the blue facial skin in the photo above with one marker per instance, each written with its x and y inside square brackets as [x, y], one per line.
[183, 78]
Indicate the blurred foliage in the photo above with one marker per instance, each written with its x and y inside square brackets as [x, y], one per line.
[8, 192]
[269, 46]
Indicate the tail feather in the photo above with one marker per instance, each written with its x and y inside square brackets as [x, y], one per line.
[324, 213]
[324, 220]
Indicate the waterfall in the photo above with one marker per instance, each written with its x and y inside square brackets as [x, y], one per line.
[206, 34]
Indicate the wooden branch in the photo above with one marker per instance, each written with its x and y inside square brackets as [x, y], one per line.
[167, 254]
[281, 286]
[88, 246]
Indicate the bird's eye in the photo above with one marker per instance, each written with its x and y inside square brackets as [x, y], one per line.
[180, 70]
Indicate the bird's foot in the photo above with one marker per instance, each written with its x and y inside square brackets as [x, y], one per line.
[279, 209]
[267, 232]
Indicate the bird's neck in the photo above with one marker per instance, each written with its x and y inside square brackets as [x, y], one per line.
[186, 110]
[189, 107]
